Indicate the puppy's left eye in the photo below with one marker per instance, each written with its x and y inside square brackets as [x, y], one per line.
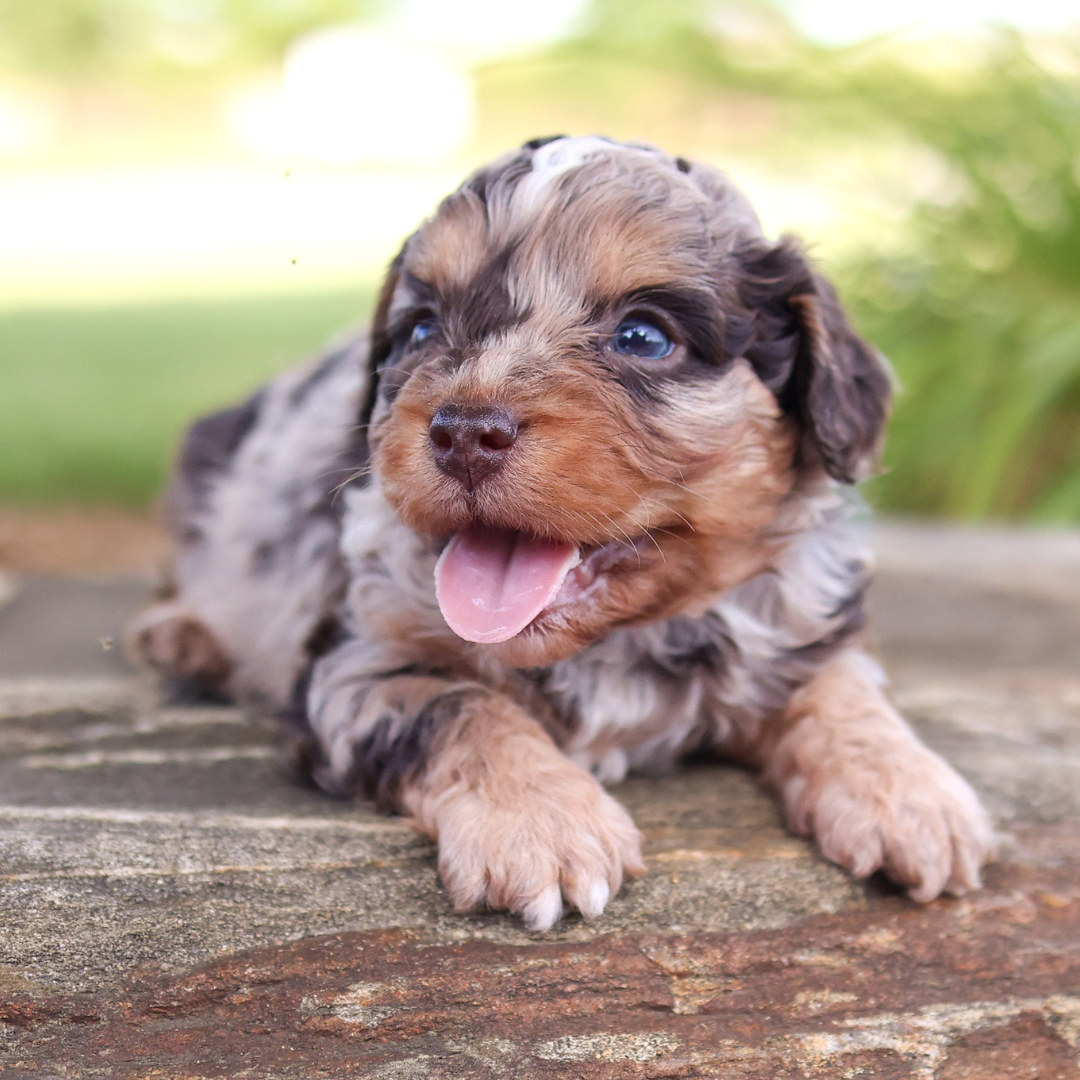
[643, 339]
[421, 332]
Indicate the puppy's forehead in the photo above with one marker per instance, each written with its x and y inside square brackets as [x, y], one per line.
[574, 223]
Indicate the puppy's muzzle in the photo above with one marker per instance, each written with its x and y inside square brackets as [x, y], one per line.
[470, 442]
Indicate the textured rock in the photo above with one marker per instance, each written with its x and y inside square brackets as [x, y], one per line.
[174, 906]
[955, 989]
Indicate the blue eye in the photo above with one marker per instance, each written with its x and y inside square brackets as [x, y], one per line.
[637, 337]
[421, 332]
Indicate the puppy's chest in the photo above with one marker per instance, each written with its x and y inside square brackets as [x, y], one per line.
[638, 697]
[631, 686]
[641, 697]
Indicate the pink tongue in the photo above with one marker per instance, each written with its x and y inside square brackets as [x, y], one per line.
[491, 583]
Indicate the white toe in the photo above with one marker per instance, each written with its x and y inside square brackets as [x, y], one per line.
[545, 910]
[595, 900]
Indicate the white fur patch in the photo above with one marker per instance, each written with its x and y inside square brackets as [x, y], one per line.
[556, 158]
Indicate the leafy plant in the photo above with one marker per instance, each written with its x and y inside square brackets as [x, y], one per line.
[981, 311]
[976, 295]
[82, 41]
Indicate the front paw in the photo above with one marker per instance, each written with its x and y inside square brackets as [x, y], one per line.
[890, 805]
[526, 844]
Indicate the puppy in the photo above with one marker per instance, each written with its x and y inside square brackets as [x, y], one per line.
[578, 507]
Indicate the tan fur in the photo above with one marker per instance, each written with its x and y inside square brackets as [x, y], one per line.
[519, 826]
[707, 512]
[852, 775]
[698, 489]
[446, 252]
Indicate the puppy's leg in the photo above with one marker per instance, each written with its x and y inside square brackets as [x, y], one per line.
[519, 826]
[854, 776]
[175, 642]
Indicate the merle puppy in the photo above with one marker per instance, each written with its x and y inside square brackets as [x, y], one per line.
[576, 507]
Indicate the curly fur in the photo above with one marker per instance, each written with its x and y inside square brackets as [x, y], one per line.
[710, 495]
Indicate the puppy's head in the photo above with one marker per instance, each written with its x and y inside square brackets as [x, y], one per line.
[597, 383]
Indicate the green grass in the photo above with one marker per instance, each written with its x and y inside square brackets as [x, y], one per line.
[94, 400]
[976, 296]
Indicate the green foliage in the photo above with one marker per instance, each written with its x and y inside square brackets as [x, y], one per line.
[94, 400]
[76, 41]
[972, 290]
[979, 307]
[981, 311]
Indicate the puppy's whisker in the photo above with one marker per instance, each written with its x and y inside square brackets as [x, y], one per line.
[656, 544]
[683, 487]
[630, 435]
[358, 474]
[629, 539]
[593, 520]
[647, 527]
[599, 525]
[684, 519]
[352, 474]
[674, 535]
[650, 528]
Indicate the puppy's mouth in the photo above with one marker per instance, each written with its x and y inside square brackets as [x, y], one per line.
[492, 583]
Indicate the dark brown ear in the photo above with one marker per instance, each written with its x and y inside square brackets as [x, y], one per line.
[381, 345]
[820, 370]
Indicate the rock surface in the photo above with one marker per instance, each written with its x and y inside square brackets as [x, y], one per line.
[174, 906]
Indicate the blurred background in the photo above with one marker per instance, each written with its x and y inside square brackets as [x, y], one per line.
[196, 193]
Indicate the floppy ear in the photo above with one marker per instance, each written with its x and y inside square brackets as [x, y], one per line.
[381, 345]
[820, 370]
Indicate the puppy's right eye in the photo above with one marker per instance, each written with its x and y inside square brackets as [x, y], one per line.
[421, 332]
[643, 339]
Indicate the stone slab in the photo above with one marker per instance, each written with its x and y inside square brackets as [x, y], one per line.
[61, 626]
[175, 906]
[116, 824]
[981, 989]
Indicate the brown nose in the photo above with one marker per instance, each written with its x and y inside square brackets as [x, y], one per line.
[470, 441]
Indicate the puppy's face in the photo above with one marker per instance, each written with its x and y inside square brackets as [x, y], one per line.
[581, 394]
